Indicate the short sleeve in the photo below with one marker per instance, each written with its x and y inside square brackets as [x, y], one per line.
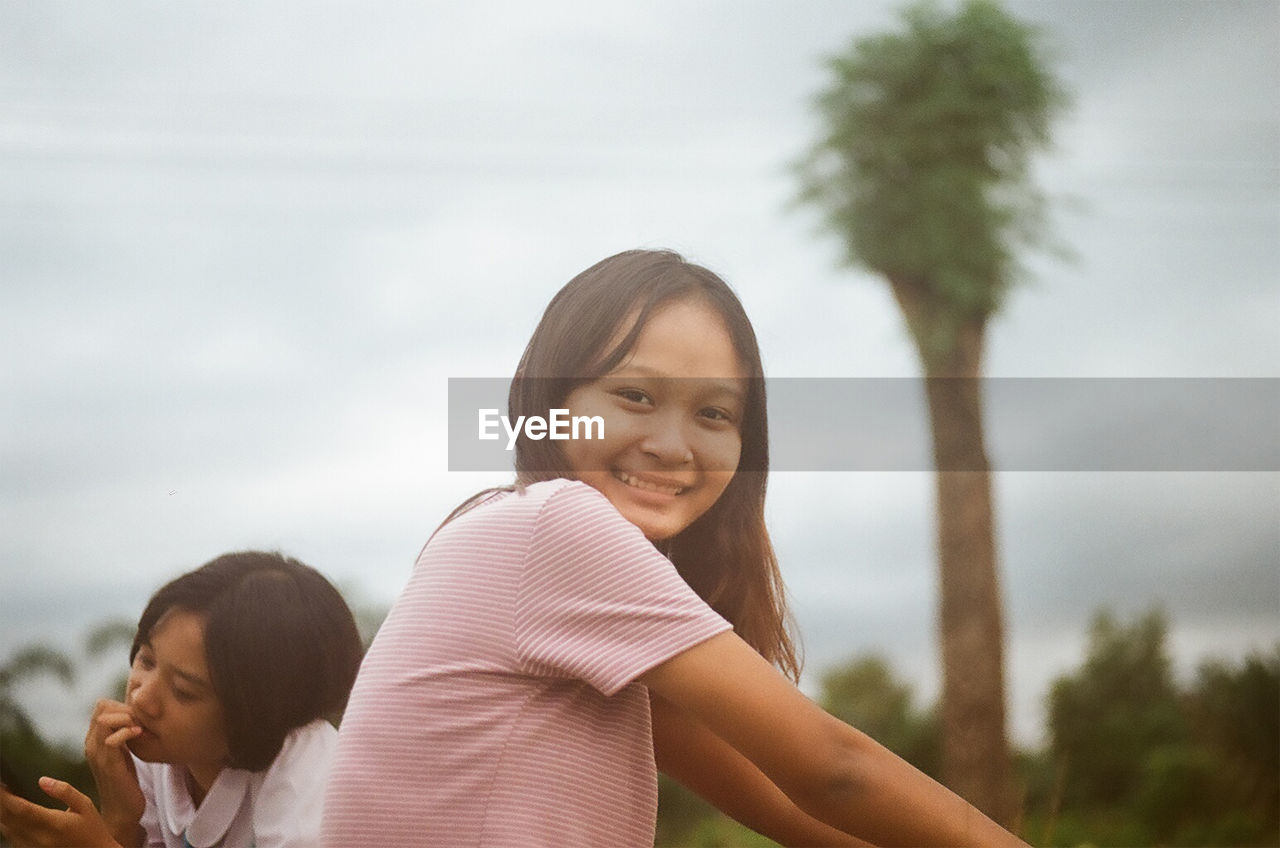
[597, 602]
[289, 802]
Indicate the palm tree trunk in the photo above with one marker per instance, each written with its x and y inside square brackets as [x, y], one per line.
[975, 753]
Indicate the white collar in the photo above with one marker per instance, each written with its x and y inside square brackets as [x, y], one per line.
[208, 823]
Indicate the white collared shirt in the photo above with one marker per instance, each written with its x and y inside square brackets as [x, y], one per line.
[276, 808]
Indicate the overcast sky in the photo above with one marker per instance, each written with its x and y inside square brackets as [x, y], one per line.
[243, 246]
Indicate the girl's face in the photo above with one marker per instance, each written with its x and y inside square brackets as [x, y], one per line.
[672, 412]
[171, 696]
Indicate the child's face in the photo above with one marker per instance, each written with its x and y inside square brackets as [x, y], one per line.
[171, 696]
[672, 412]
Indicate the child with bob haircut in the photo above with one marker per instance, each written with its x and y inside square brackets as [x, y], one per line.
[618, 608]
[224, 737]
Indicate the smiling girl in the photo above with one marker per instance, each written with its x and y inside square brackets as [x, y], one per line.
[222, 739]
[619, 604]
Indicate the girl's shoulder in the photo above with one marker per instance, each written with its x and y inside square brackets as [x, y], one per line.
[288, 797]
[562, 503]
[573, 497]
[574, 513]
[547, 512]
[544, 489]
[528, 523]
[306, 748]
[560, 493]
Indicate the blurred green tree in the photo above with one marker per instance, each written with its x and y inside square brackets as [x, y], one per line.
[1234, 714]
[1141, 761]
[1120, 708]
[27, 755]
[923, 170]
[23, 664]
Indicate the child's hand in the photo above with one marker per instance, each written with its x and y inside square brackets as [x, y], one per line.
[106, 749]
[26, 824]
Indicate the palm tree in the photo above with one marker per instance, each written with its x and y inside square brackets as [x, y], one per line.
[923, 171]
[26, 754]
[25, 663]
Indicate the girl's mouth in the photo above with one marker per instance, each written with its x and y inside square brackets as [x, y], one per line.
[147, 732]
[144, 741]
[646, 485]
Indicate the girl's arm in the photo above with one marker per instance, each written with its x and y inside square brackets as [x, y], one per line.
[831, 771]
[703, 762]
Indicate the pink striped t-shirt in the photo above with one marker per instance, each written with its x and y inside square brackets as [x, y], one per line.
[498, 705]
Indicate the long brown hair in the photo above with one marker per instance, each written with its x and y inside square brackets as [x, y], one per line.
[725, 555]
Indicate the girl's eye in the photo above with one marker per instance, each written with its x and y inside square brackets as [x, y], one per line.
[634, 395]
[184, 696]
[144, 661]
[718, 415]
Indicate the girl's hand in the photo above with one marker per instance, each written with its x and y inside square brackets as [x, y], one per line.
[106, 749]
[26, 824]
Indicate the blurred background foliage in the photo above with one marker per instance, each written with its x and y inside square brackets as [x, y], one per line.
[25, 754]
[1132, 755]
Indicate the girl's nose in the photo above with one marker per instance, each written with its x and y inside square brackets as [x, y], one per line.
[668, 442]
[142, 697]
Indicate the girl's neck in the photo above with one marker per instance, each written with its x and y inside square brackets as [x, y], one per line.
[198, 780]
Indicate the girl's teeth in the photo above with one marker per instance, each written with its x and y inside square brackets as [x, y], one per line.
[645, 485]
